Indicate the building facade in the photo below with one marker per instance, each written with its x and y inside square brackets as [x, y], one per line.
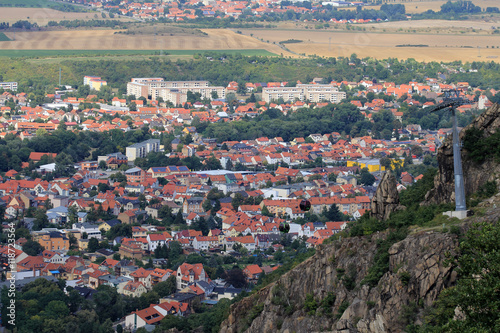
[172, 91]
[142, 149]
[95, 82]
[9, 85]
[312, 92]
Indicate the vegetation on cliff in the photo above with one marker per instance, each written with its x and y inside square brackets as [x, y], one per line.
[479, 147]
[477, 293]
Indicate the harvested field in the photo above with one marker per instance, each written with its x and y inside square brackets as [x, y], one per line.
[383, 45]
[42, 16]
[437, 25]
[215, 39]
[417, 7]
[440, 47]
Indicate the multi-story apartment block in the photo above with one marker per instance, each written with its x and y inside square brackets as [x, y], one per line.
[173, 91]
[52, 240]
[9, 85]
[95, 82]
[141, 149]
[312, 92]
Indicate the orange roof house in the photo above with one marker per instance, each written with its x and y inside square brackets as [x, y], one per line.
[36, 157]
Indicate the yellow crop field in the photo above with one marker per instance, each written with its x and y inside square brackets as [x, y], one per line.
[42, 16]
[441, 47]
[215, 39]
[417, 7]
[376, 44]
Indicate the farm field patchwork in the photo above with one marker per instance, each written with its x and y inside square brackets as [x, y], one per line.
[42, 16]
[216, 39]
[417, 7]
[440, 47]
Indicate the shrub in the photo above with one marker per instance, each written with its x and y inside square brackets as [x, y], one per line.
[405, 277]
[310, 305]
[342, 308]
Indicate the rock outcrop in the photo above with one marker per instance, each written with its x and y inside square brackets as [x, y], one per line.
[416, 276]
[386, 198]
[475, 175]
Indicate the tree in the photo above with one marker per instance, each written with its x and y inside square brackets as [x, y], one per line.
[333, 213]
[41, 220]
[179, 219]
[72, 215]
[476, 292]
[207, 205]
[236, 278]
[32, 248]
[386, 162]
[167, 287]
[216, 207]
[332, 177]
[93, 245]
[237, 201]
[175, 251]
[229, 164]
[367, 178]
[266, 212]
[73, 242]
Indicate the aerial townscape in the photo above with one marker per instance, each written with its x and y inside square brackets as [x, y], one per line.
[249, 166]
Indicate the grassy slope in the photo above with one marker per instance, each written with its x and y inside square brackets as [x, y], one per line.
[90, 53]
[4, 38]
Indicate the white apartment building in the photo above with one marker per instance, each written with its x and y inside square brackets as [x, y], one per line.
[141, 149]
[173, 91]
[9, 85]
[312, 92]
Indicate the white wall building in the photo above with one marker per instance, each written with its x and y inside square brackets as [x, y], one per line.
[312, 92]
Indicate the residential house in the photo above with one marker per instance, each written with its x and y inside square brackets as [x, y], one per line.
[134, 289]
[143, 276]
[92, 230]
[193, 204]
[252, 272]
[187, 273]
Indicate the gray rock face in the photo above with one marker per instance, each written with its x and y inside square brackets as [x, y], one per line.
[475, 175]
[279, 307]
[386, 198]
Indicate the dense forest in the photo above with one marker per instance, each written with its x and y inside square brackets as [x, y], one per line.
[344, 118]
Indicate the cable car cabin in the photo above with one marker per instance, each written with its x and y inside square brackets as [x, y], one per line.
[305, 205]
[284, 227]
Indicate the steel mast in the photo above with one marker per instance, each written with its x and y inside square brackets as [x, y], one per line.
[451, 101]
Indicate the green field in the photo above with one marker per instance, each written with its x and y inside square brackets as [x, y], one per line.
[30, 3]
[64, 7]
[101, 53]
[4, 38]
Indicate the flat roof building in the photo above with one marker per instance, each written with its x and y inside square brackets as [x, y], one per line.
[311, 92]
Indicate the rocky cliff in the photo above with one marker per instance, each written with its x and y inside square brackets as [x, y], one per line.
[475, 175]
[386, 198]
[325, 291]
